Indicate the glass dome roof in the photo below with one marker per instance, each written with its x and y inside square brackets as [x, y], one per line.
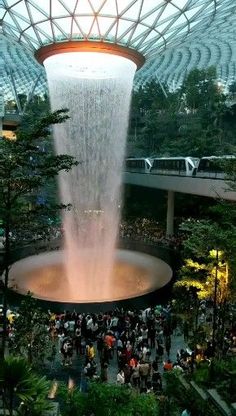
[173, 35]
[19, 73]
[145, 25]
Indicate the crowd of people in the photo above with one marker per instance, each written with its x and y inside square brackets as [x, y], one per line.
[132, 348]
[137, 229]
[148, 231]
[137, 343]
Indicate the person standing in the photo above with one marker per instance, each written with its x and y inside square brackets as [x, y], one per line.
[77, 339]
[90, 352]
[186, 412]
[168, 345]
[104, 373]
[120, 378]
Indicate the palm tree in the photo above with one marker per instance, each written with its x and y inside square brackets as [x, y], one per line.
[24, 392]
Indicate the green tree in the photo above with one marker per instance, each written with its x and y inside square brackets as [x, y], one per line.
[203, 237]
[31, 338]
[23, 392]
[152, 117]
[193, 120]
[35, 109]
[106, 400]
[201, 90]
[25, 168]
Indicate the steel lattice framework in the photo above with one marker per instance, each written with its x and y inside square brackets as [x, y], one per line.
[173, 35]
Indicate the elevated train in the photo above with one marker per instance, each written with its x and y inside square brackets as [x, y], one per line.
[206, 167]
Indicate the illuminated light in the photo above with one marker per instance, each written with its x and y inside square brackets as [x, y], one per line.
[71, 384]
[88, 65]
[8, 134]
[135, 274]
[90, 47]
[53, 390]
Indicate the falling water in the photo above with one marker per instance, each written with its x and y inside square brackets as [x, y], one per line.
[96, 88]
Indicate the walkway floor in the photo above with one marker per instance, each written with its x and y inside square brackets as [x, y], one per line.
[63, 373]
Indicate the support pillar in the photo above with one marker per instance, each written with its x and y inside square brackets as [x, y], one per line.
[1, 113]
[1, 126]
[170, 214]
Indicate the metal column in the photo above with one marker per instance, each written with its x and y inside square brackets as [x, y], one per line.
[170, 214]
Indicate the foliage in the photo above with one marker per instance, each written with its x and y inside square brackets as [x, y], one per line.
[201, 90]
[201, 276]
[201, 237]
[26, 166]
[225, 379]
[185, 396]
[201, 374]
[152, 117]
[23, 391]
[36, 108]
[220, 375]
[107, 399]
[31, 338]
[204, 235]
[193, 120]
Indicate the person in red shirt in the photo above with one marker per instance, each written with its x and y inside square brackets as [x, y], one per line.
[168, 365]
[109, 341]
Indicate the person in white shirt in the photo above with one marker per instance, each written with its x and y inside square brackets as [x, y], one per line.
[186, 412]
[120, 378]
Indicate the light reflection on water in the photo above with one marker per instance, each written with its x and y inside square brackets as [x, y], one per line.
[134, 274]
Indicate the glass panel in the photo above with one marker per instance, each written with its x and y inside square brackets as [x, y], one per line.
[45, 27]
[31, 33]
[22, 23]
[95, 29]
[83, 7]
[179, 3]
[96, 4]
[133, 12]
[123, 26]
[65, 24]
[109, 7]
[57, 31]
[57, 9]
[168, 11]
[37, 16]
[85, 23]
[104, 24]
[150, 6]
[20, 8]
[71, 5]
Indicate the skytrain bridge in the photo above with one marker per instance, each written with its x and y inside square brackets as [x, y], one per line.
[213, 188]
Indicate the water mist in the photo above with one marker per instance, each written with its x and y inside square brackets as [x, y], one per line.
[96, 88]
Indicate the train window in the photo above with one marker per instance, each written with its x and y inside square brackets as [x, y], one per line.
[171, 165]
[217, 166]
[190, 166]
[202, 165]
[182, 165]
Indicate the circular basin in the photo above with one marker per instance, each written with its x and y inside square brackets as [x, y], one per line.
[134, 274]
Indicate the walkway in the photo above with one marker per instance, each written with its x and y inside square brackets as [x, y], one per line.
[213, 188]
[63, 373]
